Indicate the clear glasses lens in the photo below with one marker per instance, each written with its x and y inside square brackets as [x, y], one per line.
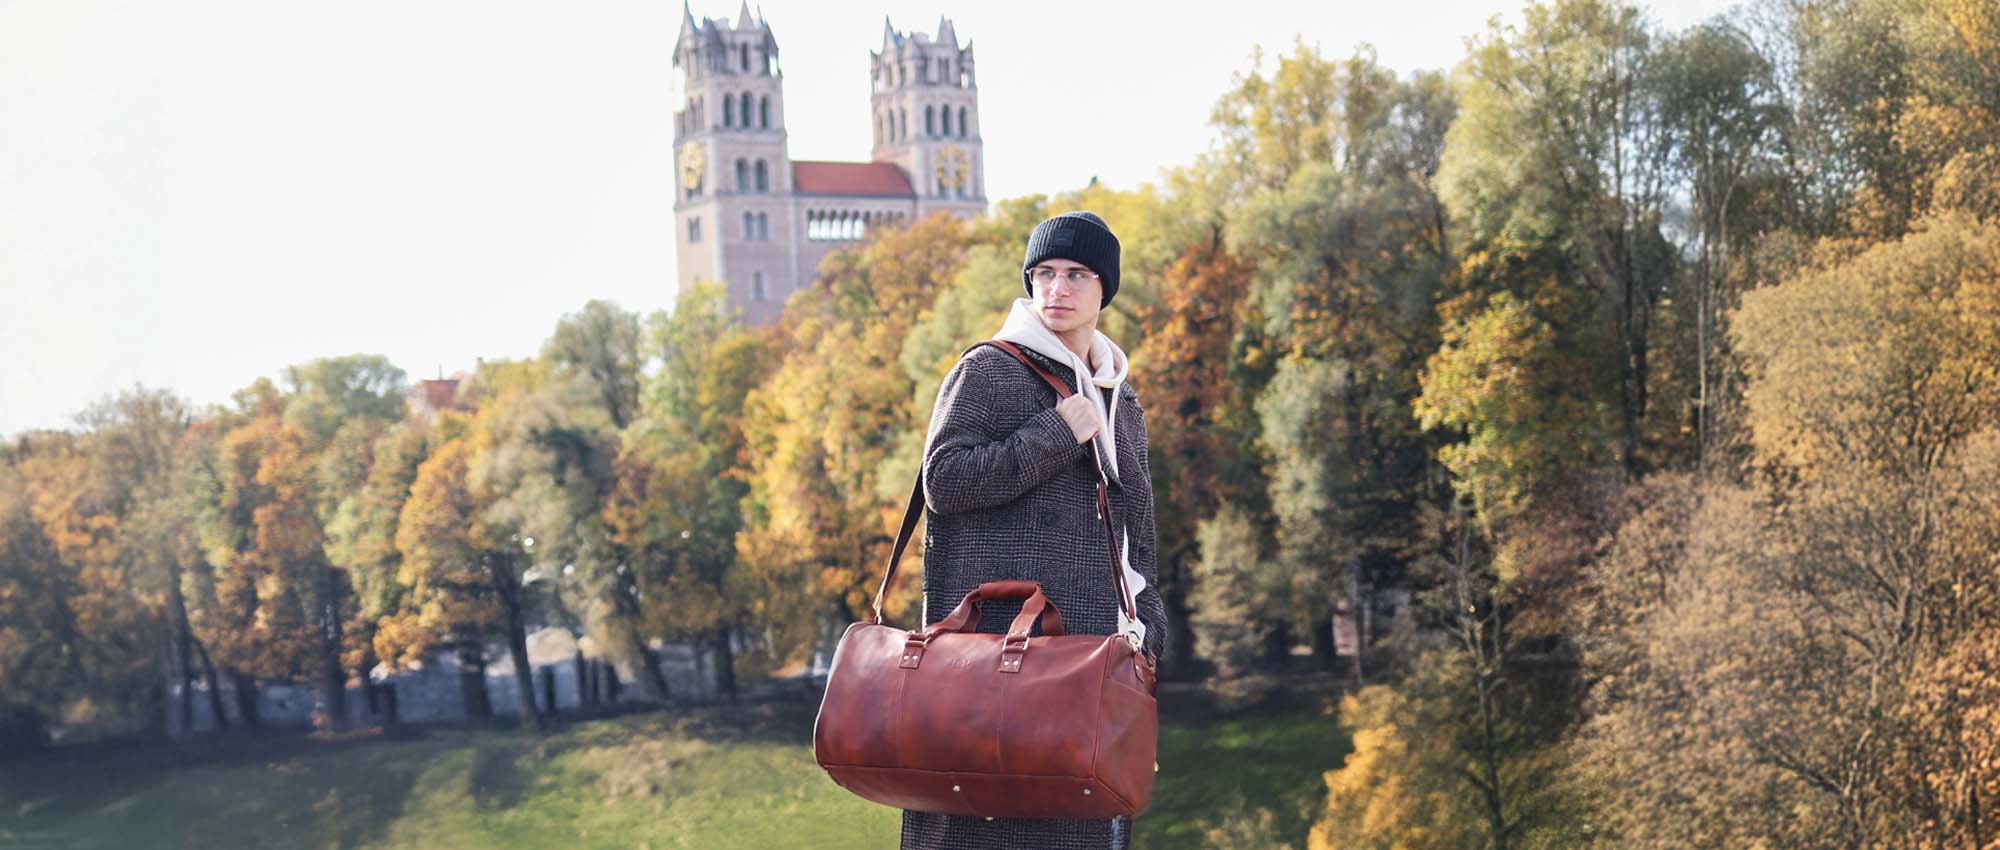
[1045, 276]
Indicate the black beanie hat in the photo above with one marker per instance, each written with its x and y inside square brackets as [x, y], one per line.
[1079, 237]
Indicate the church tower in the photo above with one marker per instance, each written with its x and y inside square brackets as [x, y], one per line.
[731, 205]
[926, 105]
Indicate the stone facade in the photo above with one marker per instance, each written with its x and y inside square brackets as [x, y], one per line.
[748, 214]
[568, 676]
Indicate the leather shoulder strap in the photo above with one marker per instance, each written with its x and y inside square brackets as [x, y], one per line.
[915, 509]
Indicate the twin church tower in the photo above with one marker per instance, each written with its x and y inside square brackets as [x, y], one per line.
[750, 215]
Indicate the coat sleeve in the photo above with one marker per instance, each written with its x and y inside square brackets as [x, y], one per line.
[1145, 552]
[971, 459]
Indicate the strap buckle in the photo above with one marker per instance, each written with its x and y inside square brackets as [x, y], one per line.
[1012, 652]
[913, 650]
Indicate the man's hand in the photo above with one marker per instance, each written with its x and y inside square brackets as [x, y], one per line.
[1076, 411]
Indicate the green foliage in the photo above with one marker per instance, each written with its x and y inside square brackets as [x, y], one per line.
[331, 392]
[1233, 590]
[1498, 377]
[1301, 429]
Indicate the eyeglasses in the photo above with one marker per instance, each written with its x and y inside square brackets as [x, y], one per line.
[1045, 276]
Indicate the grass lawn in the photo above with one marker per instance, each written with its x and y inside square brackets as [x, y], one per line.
[692, 778]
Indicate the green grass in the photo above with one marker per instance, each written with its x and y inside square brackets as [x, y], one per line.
[682, 779]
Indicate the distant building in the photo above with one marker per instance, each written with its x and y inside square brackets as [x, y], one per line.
[430, 396]
[748, 214]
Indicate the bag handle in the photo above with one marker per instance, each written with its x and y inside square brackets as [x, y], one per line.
[1037, 607]
[915, 509]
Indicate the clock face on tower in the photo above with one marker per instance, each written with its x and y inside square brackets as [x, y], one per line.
[952, 166]
[694, 165]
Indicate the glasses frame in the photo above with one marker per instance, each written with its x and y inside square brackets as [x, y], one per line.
[1072, 277]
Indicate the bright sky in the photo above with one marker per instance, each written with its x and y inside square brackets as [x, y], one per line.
[195, 193]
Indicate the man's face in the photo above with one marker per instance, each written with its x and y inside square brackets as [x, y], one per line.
[1062, 303]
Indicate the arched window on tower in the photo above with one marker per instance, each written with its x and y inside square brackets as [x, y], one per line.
[728, 111]
[930, 123]
[744, 51]
[763, 176]
[902, 123]
[944, 121]
[742, 175]
[764, 112]
[757, 285]
[745, 110]
[961, 122]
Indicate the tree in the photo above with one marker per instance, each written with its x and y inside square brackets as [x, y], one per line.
[677, 499]
[137, 446]
[361, 541]
[1769, 660]
[1559, 154]
[1231, 589]
[1346, 245]
[454, 590]
[1720, 104]
[819, 427]
[1199, 364]
[1471, 731]
[558, 461]
[330, 392]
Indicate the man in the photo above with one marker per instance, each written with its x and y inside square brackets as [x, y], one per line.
[1012, 493]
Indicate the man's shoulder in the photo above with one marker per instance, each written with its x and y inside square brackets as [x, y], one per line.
[995, 367]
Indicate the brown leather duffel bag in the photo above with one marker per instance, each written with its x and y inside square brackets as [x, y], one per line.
[948, 720]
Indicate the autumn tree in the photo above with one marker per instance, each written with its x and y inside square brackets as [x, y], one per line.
[676, 502]
[361, 541]
[817, 429]
[557, 462]
[1559, 156]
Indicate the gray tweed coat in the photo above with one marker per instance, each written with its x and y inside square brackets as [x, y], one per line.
[1011, 495]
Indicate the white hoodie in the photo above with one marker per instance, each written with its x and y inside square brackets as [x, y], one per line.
[1025, 329]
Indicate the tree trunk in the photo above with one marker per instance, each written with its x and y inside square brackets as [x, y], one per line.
[524, 674]
[381, 700]
[725, 663]
[1277, 645]
[472, 680]
[586, 696]
[507, 588]
[214, 689]
[1180, 630]
[182, 649]
[1326, 652]
[1358, 604]
[246, 698]
[652, 680]
[332, 679]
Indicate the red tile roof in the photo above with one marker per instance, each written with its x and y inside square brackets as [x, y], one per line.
[439, 394]
[883, 179]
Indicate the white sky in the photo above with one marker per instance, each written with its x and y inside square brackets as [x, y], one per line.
[198, 192]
